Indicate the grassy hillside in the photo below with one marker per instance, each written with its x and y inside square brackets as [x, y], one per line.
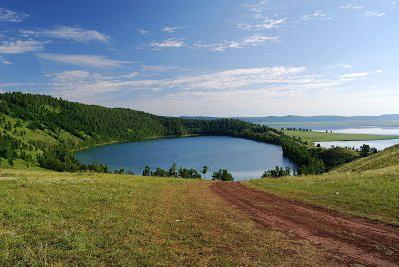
[327, 137]
[367, 187]
[388, 157]
[64, 219]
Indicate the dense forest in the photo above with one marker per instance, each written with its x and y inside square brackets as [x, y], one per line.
[44, 130]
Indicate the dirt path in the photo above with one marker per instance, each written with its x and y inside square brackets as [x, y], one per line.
[354, 239]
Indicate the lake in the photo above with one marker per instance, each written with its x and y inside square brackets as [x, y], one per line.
[245, 159]
[379, 144]
[364, 130]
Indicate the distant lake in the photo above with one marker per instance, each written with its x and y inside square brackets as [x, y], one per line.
[379, 144]
[365, 130]
[245, 159]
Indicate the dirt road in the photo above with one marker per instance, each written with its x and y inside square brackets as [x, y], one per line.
[355, 240]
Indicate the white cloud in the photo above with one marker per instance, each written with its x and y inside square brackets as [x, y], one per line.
[317, 15]
[265, 24]
[171, 29]
[254, 40]
[20, 46]
[255, 10]
[258, 39]
[7, 15]
[82, 83]
[366, 13]
[6, 62]
[142, 31]
[352, 6]
[340, 66]
[158, 68]
[83, 60]
[131, 75]
[74, 34]
[373, 14]
[168, 43]
[356, 75]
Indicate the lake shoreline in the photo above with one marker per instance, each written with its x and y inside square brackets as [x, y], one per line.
[216, 152]
[130, 141]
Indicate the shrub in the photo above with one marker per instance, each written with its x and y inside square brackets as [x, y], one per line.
[277, 172]
[147, 171]
[222, 175]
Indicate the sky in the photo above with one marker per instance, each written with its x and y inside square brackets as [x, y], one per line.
[208, 57]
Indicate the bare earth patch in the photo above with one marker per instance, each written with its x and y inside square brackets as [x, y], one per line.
[355, 240]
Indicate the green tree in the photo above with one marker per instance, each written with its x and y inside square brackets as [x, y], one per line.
[204, 169]
[365, 150]
[159, 172]
[172, 172]
[147, 171]
[277, 172]
[222, 175]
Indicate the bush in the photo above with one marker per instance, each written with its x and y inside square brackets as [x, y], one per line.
[173, 172]
[222, 175]
[147, 171]
[188, 173]
[336, 156]
[277, 172]
[366, 150]
[160, 173]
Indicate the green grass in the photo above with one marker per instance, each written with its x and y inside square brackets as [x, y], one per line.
[367, 187]
[388, 157]
[328, 137]
[64, 219]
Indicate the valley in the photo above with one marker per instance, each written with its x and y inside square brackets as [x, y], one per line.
[58, 210]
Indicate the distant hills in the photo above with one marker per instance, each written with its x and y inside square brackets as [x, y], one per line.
[387, 120]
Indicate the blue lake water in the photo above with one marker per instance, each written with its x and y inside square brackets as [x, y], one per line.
[245, 159]
[365, 130]
[379, 144]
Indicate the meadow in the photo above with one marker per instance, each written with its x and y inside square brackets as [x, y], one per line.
[63, 219]
[92, 219]
[313, 136]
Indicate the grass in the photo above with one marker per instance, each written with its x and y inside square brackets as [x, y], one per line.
[388, 157]
[367, 187]
[64, 219]
[314, 136]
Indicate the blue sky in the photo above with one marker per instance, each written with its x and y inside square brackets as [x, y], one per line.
[218, 58]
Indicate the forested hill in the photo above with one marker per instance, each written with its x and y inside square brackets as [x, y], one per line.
[32, 125]
[76, 125]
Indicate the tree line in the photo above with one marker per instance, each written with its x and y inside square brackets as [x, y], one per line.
[186, 173]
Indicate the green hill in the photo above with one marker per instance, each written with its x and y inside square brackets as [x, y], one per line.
[386, 158]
